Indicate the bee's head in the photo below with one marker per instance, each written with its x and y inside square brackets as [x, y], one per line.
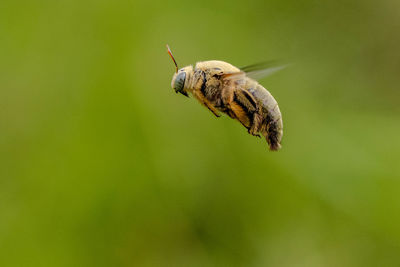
[180, 77]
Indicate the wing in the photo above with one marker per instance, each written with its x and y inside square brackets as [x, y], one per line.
[256, 71]
[263, 69]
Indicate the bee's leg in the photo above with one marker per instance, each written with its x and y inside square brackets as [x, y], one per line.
[199, 96]
[256, 124]
[227, 98]
[213, 110]
[227, 95]
[238, 108]
[233, 108]
[253, 110]
[246, 109]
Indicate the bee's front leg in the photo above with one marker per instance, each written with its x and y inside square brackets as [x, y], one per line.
[200, 97]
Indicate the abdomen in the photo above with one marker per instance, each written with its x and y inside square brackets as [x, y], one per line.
[272, 125]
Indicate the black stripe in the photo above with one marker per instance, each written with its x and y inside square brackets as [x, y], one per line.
[248, 96]
[245, 109]
[203, 85]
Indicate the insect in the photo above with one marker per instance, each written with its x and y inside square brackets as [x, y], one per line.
[224, 88]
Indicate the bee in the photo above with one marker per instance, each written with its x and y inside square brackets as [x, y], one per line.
[224, 88]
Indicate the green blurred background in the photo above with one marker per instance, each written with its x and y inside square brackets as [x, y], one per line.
[102, 164]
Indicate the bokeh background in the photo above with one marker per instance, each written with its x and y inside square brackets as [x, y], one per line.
[102, 164]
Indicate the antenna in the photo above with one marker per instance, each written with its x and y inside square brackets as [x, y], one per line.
[170, 53]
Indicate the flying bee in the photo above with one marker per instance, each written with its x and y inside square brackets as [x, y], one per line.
[224, 88]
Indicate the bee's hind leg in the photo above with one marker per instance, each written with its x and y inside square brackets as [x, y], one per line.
[255, 126]
[256, 134]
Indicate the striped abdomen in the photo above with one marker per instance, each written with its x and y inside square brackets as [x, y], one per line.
[272, 125]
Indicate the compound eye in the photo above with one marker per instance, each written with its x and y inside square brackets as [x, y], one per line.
[180, 81]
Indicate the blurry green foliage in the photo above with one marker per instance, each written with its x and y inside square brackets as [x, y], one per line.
[103, 165]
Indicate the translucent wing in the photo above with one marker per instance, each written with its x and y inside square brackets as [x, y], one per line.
[263, 69]
[256, 71]
[260, 65]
